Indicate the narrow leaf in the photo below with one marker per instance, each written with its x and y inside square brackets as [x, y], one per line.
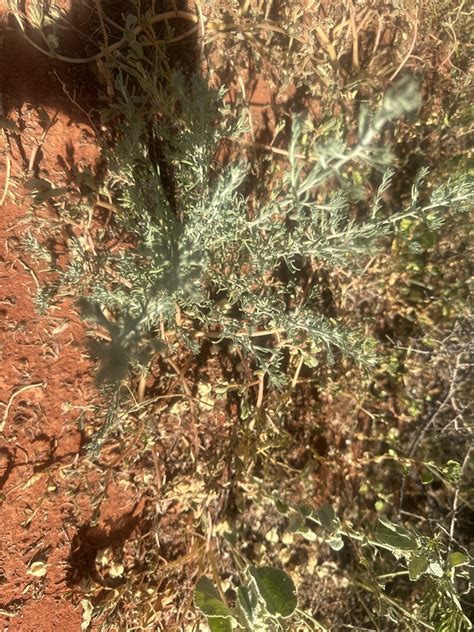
[247, 600]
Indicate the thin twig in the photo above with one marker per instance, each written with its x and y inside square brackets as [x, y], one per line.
[31, 271]
[14, 395]
[163, 17]
[429, 424]
[190, 398]
[76, 104]
[294, 381]
[274, 150]
[39, 144]
[410, 50]
[8, 171]
[455, 508]
[261, 391]
[434, 418]
[355, 38]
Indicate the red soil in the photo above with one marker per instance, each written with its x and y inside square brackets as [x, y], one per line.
[44, 357]
[44, 369]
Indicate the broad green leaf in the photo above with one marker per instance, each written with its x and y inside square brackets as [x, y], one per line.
[298, 525]
[281, 506]
[394, 536]
[417, 566]
[305, 510]
[458, 559]
[219, 624]
[42, 196]
[247, 600]
[209, 602]
[327, 517]
[276, 589]
[44, 118]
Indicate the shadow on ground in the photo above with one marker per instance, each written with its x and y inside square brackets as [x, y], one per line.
[77, 89]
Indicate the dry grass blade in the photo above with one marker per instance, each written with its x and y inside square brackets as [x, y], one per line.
[156, 19]
[12, 398]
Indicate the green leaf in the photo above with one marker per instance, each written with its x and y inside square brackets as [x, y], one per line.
[327, 517]
[218, 624]
[298, 525]
[394, 536]
[44, 119]
[42, 196]
[281, 506]
[305, 510]
[458, 559]
[247, 600]
[417, 566]
[453, 471]
[336, 543]
[277, 590]
[426, 476]
[209, 602]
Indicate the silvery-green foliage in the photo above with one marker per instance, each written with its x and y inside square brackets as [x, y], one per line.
[231, 261]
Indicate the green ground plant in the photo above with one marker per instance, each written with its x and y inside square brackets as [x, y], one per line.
[266, 599]
[443, 574]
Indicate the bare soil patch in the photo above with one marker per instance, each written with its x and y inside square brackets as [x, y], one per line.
[46, 376]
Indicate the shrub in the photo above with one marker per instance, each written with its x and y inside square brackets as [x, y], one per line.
[233, 266]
